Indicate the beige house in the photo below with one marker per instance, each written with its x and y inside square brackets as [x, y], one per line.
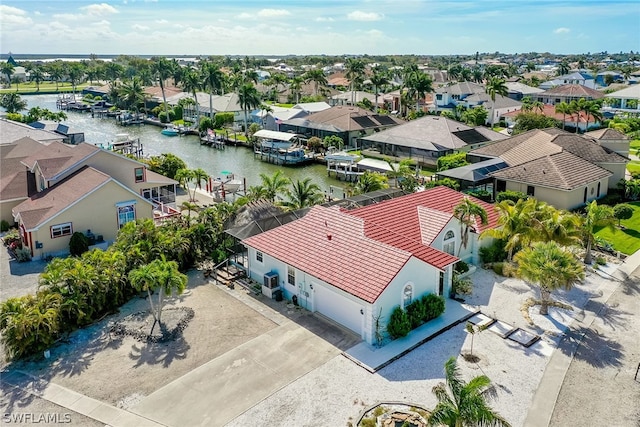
[88, 201]
[611, 139]
[558, 167]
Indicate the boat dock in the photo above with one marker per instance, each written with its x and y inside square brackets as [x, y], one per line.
[344, 166]
[213, 140]
[68, 102]
[125, 145]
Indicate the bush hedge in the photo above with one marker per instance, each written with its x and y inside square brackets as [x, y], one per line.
[401, 322]
[514, 196]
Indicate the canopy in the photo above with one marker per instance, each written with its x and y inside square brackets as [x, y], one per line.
[279, 136]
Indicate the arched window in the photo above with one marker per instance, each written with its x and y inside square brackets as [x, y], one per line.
[407, 295]
[449, 245]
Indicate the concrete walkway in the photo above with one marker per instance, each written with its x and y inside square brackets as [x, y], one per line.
[375, 358]
[76, 402]
[220, 390]
[541, 409]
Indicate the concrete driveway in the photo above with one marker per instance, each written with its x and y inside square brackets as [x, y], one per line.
[220, 390]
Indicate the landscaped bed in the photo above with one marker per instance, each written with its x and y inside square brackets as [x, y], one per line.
[626, 239]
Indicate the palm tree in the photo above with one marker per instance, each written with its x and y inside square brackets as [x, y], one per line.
[574, 108]
[495, 86]
[355, 72]
[75, 73]
[213, 81]
[556, 225]
[468, 212]
[131, 93]
[295, 86]
[563, 68]
[162, 68]
[550, 267]
[266, 109]
[597, 216]
[7, 69]
[192, 83]
[315, 75]
[378, 79]
[370, 181]
[184, 177]
[464, 404]
[37, 75]
[274, 184]
[565, 109]
[514, 225]
[302, 194]
[12, 102]
[419, 85]
[112, 72]
[56, 71]
[249, 99]
[592, 109]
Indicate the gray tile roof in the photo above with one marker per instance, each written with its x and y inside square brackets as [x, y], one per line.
[562, 170]
[501, 101]
[462, 88]
[11, 131]
[607, 134]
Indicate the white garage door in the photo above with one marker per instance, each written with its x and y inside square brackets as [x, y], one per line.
[338, 308]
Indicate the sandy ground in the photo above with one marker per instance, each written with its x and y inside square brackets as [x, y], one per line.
[602, 374]
[18, 278]
[337, 392]
[121, 371]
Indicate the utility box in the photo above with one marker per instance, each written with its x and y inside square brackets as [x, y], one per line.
[270, 285]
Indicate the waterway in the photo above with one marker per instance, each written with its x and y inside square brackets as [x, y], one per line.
[239, 160]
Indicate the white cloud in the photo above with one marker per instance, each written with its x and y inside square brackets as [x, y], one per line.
[161, 21]
[245, 15]
[139, 27]
[324, 19]
[99, 9]
[561, 30]
[12, 16]
[358, 15]
[273, 13]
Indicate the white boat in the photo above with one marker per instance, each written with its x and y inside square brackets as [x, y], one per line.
[170, 131]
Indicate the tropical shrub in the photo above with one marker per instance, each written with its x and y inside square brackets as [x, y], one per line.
[78, 244]
[315, 144]
[514, 196]
[4, 226]
[23, 254]
[451, 161]
[497, 268]
[399, 324]
[333, 141]
[416, 311]
[222, 120]
[622, 211]
[460, 286]
[447, 182]
[434, 306]
[493, 253]
[205, 123]
[461, 267]
[483, 195]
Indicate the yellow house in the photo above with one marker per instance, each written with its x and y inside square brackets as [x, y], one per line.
[88, 201]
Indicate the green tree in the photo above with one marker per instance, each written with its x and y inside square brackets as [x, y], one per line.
[37, 75]
[495, 86]
[592, 109]
[451, 161]
[131, 93]
[7, 69]
[370, 181]
[213, 82]
[565, 109]
[192, 83]
[468, 213]
[273, 185]
[302, 194]
[514, 226]
[317, 77]
[378, 79]
[354, 68]
[549, 267]
[475, 116]
[596, 217]
[622, 211]
[563, 68]
[56, 72]
[249, 99]
[529, 121]
[12, 102]
[162, 276]
[419, 85]
[166, 164]
[464, 404]
[162, 68]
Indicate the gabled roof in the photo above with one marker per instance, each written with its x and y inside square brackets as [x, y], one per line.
[58, 157]
[432, 222]
[631, 92]
[11, 131]
[331, 246]
[485, 99]
[462, 88]
[573, 90]
[312, 107]
[46, 204]
[434, 133]
[14, 180]
[607, 134]
[517, 87]
[562, 170]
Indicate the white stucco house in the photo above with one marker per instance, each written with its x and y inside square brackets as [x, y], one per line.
[355, 265]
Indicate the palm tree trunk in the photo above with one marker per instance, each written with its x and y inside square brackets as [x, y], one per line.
[587, 254]
[544, 296]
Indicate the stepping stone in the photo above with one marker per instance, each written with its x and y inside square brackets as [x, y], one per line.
[481, 320]
[523, 337]
[501, 328]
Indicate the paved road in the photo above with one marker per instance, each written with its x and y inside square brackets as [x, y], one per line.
[600, 387]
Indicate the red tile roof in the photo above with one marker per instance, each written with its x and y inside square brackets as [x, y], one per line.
[402, 214]
[347, 259]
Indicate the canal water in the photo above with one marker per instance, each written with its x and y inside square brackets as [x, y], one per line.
[239, 160]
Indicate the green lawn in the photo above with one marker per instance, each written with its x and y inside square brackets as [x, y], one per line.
[634, 166]
[45, 87]
[626, 241]
[634, 146]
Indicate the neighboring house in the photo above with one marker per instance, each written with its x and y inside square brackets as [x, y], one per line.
[611, 139]
[354, 266]
[518, 90]
[626, 100]
[11, 131]
[353, 98]
[88, 201]
[312, 107]
[349, 123]
[472, 95]
[582, 79]
[616, 77]
[567, 93]
[271, 120]
[427, 138]
[558, 167]
[71, 136]
[578, 119]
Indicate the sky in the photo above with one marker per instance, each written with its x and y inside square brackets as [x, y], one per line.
[314, 27]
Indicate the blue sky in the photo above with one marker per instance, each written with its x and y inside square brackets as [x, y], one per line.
[333, 27]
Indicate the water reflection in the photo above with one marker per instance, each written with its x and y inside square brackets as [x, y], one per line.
[239, 160]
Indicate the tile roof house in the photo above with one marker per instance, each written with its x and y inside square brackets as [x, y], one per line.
[578, 119]
[352, 265]
[567, 93]
[427, 138]
[471, 95]
[349, 123]
[575, 78]
[555, 166]
[625, 100]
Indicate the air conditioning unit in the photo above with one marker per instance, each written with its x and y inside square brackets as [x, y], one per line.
[271, 280]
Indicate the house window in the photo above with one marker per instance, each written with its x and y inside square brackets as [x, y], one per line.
[126, 213]
[501, 185]
[441, 283]
[291, 276]
[61, 230]
[598, 190]
[139, 172]
[584, 198]
[258, 256]
[449, 245]
[531, 190]
[407, 295]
